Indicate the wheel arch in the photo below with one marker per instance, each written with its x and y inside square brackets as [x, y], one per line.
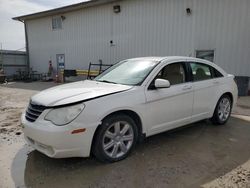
[228, 93]
[230, 96]
[129, 113]
[215, 119]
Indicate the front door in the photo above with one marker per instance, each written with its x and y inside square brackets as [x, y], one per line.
[170, 107]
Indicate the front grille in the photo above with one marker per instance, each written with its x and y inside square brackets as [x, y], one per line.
[34, 111]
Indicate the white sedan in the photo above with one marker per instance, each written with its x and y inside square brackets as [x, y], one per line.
[135, 98]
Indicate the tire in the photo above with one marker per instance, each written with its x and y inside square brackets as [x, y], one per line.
[222, 111]
[115, 138]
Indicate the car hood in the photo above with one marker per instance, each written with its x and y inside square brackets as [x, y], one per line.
[76, 92]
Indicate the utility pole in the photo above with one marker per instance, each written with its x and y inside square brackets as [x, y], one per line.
[1, 55]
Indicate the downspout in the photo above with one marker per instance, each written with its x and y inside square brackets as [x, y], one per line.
[26, 44]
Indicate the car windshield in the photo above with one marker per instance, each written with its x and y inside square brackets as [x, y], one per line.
[128, 72]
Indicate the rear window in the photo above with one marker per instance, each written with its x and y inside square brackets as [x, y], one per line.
[202, 71]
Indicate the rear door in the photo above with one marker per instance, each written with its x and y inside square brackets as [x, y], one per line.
[205, 90]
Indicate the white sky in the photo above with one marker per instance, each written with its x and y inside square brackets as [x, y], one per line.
[12, 32]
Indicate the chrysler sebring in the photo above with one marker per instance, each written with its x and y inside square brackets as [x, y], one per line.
[133, 99]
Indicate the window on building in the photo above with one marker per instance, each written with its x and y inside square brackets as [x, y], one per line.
[201, 71]
[205, 54]
[56, 23]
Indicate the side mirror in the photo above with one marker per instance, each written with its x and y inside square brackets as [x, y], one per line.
[161, 83]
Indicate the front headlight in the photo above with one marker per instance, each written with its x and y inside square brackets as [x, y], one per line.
[64, 115]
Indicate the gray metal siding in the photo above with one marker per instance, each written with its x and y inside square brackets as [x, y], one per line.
[12, 63]
[146, 28]
[11, 60]
[84, 38]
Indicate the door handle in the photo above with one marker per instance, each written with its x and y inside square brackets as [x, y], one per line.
[188, 87]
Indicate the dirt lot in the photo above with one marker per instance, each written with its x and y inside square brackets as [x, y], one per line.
[200, 155]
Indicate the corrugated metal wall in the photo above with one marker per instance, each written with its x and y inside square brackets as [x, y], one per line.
[13, 63]
[146, 28]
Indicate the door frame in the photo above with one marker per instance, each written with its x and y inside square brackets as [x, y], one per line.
[57, 62]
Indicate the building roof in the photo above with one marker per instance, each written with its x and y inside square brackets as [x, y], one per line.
[62, 10]
[12, 52]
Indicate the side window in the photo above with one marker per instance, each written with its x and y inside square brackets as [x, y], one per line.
[216, 73]
[200, 71]
[174, 73]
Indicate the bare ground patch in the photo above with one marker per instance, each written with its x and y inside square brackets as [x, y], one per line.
[12, 104]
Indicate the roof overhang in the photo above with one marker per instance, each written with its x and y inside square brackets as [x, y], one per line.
[62, 10]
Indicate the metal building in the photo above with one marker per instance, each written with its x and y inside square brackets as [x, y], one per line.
[12, 62]
[112, 30]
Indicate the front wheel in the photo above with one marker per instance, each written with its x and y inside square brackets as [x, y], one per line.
[115, 138]
[222, 111]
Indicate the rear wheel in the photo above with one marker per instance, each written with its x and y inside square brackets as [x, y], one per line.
[222, 111]
[115, 138]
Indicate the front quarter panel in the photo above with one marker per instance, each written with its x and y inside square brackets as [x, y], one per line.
[96, 110]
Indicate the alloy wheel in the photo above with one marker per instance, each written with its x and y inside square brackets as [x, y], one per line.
[224, 109]
[118, 139]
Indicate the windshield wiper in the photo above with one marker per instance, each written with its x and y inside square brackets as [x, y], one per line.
[106, 81]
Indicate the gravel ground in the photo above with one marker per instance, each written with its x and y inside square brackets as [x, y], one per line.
[201, 155]
[239, 177]
[12, 103]
[14, 98]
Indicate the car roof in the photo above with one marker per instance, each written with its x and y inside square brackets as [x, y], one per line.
[180, 58]
[153, 58]
[168, 58]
